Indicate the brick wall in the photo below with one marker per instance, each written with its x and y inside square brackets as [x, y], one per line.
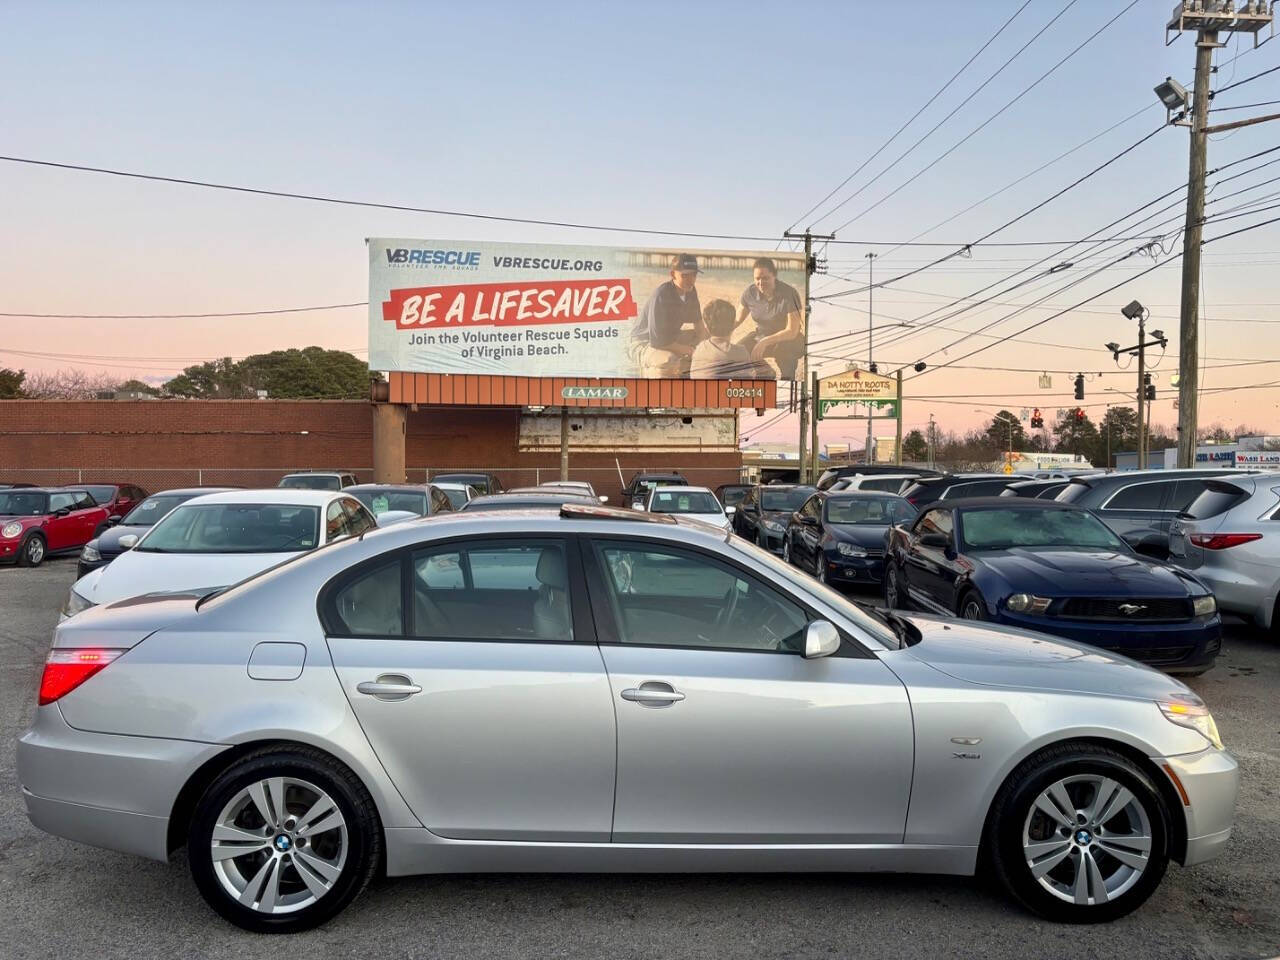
[171, 443]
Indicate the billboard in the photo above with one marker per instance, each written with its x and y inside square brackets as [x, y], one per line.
[538, 310]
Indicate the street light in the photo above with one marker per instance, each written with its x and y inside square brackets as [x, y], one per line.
[1172, 94]
[1134, 310]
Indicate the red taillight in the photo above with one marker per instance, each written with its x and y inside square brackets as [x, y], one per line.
[1221, 541]
[66, 669]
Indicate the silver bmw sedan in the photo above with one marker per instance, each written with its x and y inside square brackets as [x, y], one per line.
[596, 690]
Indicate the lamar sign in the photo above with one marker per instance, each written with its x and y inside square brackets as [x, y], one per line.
[593, 393]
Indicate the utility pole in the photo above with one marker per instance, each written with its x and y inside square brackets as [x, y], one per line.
[813, 421]
[1136, 311]
[564, 443]
[802, 376]
[898, 409]
[1208, 20]
[931, 429]
[871, 363]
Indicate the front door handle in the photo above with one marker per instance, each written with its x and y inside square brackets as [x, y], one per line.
[389, 686]
[654, 693]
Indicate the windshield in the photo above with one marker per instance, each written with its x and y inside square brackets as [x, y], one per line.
[101, 493]
[868, 511]
[652, 483]
[457, 498]
[788, 499]
[1000, 529]
[733, 495]
[675, 500]
[380, 501]
[153, 508]
[23, 504]
[783, 572]
[311, 481]
[234, 528]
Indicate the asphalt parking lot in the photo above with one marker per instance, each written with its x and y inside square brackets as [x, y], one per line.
[61, 899]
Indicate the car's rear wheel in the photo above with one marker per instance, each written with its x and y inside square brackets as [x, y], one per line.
[819, 568]
[283, 840]
[32, 552]
[1079, 834]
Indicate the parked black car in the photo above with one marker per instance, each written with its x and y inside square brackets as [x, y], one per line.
[1053, 568]
[832, 474]
[636, 492]
[116, 540]
[1140, 505]
[483, 482]
[1044, 489]
[763, 514]
[951, 486]
[840, 537]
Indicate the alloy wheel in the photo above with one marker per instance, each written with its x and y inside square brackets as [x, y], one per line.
[786, 550]
[279, 845]
[1087, 839]
[35, 551]
[891, 588]
[972, 609]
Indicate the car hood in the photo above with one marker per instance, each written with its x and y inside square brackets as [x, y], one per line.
[134, 574]
[777, 516]
[1095, 573]
[998, 656]
[715, 519]
[109, 539]
[863, 534]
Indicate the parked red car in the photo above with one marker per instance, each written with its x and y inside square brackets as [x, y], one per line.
[40, 522]
[118, 498]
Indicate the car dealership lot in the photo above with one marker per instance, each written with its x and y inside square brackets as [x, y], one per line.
[124, 906]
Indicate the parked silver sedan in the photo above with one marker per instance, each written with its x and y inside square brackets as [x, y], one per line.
[1229, 537]
[602, 690]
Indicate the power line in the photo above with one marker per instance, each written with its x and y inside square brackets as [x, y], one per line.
[1245, 106]
[899, 131]
[184, 316]
[1241, 83]
[990, 119]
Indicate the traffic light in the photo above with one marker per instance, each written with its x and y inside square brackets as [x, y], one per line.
[1150, 388]
[1037, 421]
[1079, 415]
[1079, 386]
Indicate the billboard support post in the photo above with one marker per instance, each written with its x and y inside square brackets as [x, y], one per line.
[813, 423]
[564, 443]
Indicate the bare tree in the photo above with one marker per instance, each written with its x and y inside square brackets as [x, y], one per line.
[69, 385]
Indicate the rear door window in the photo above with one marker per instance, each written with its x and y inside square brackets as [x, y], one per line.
[1185, 493]
[59, 500]
[1149, 495]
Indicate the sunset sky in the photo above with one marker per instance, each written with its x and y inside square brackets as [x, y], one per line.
[710, 117]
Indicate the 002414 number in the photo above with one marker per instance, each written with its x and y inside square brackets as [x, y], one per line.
[736, 392]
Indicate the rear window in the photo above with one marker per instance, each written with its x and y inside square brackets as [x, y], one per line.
[1215, 500]
[1072, 492]
[380, 501]
[868, 511]
[308, 481]
[234, 528]
[779, 500]
[887, 484]
[102, 493]
[457, 498]
[733, 495]
[980, 488]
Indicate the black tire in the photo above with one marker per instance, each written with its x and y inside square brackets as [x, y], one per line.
[1014, 809]
[786, 551]
[894, 598]
[971, 606]
[33, 551]
[819, 568]
[363, 843]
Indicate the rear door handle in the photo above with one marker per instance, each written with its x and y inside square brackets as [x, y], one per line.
[654, 693]
[389, 686]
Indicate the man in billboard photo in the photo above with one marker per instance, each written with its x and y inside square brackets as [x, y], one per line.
[717, 358]
[660, 343]
[778, 312]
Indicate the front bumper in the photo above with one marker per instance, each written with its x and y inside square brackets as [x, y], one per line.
[9, 550]
[867, 571]
[769, 540]
[1238, 593]
[86, 567]
[1211, 779]
[1174, 647]
[101, 789]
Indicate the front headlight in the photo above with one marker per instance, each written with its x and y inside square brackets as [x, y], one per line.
[1028, 603]
[1190, 711]
[773, 526]
[850, 550]
[10, 530]
[90, 553]
[1204, 606]
[75, 603]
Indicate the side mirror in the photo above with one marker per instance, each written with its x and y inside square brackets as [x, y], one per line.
[934, 540]
[730, 511]
[62, 511]
[114, 519]
[604, 499]
[128, 541]
[637, 504]
[821, 639]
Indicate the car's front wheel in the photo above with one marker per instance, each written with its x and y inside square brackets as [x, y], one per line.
[1079, 834]
[971, 607]
[283, 840]
[893, 596]
[32, 551]
[786, 550]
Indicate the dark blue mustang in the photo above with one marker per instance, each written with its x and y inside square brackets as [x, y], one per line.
[1054, 568]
